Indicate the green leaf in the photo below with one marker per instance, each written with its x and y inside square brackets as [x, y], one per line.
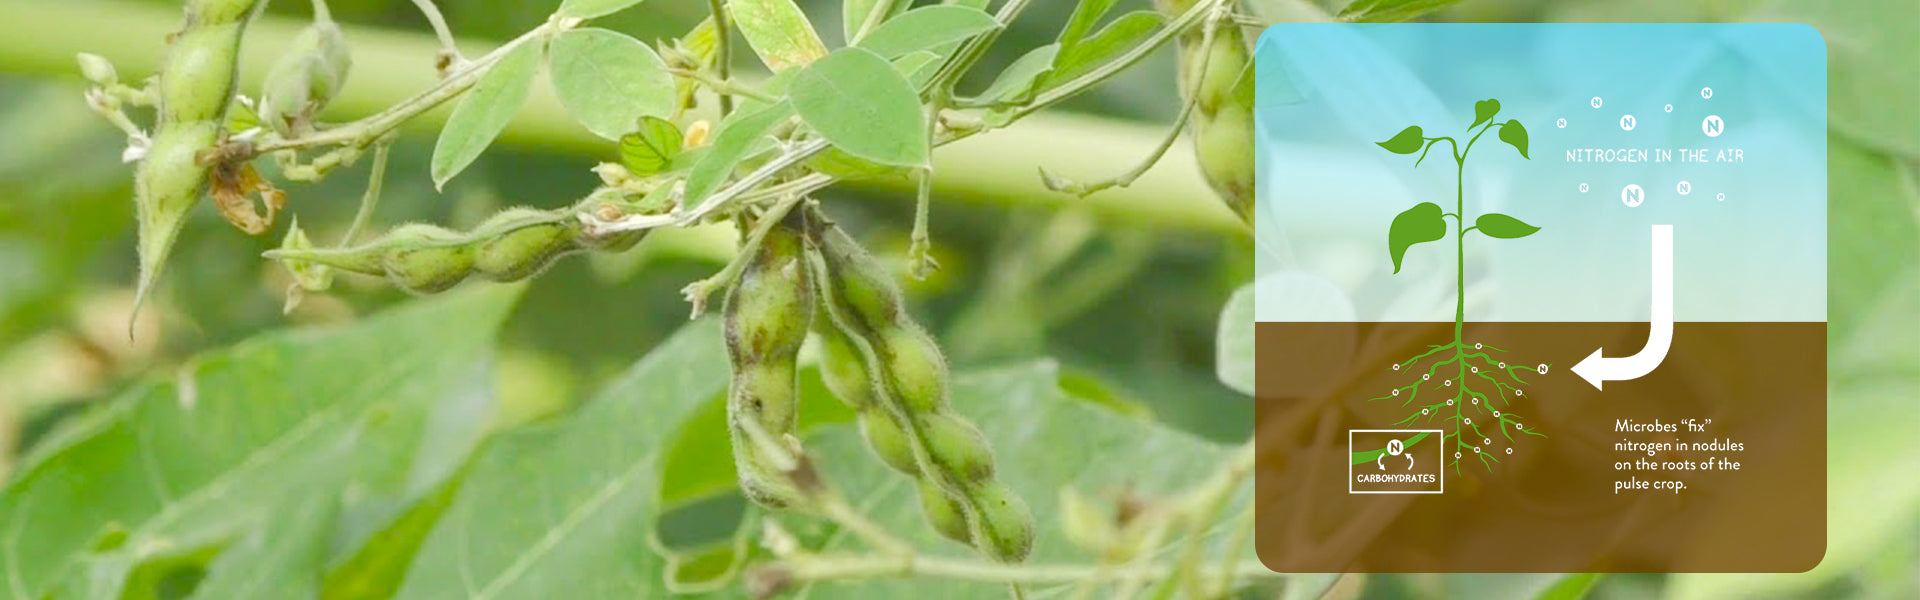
[1870, 80]
[215, 460]
[1873, 228]
[1416, 225]
[1408, 141]
[560, 511]
[919, 67]
[856, 100]
[1045, 441]
[1503, 226]
[587, 9]
[651, 149]
[484, 112]
[1513, 134]
[377, 568]
[738, 138]
[1234, 343]
[607, 80]
[1017, 82]
[926, 29]
[778, 32]
[854, 15]
[1484, 110]
[1113, 40]
[1085, 15]
[1572, 586]
[1391, 11]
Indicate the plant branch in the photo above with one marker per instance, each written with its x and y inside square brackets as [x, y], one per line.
[843, 567]
[440, 30]
[1198, 11]
[722, 50]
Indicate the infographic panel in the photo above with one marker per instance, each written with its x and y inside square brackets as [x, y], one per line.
[1541, 298]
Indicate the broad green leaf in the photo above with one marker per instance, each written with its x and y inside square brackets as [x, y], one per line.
[1408, 141]
[1484, 110]
[1391, 11]
[1233, 343]
[484, 112]
[376, 569]
[1113, 40]
[926, 29]
[651, 149]
[587, 9]
[1873, 231]
[856, 100]
[216, 456]
[739, 135]
[607, 80]
[778, 32]
[1503, 226]
[855, 16]
[1572, 586]
[563, 510]
[1871, 82]
[1045, 441]
[1416, 225]
[1016, 82]
[919, 67]
[1515, 135]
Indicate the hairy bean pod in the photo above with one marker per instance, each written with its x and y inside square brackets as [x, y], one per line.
[768, 312]
[1223, 135]
[892, 372]
[515, 244]
[196, 84]
[306, 77]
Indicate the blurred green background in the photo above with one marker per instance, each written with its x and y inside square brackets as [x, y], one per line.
[1124, 288]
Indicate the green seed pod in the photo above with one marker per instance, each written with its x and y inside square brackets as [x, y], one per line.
[305, 78]
[946, 515]
[958, 448]
[524, 252]
[1223, 134]
[888, 441]
[426, 260]
[767, 315]
[1003, 527]
[842, 367]
[196, 85]
[98, 69]
[916, 368]
[860, 282]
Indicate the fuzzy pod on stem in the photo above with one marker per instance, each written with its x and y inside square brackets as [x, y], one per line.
[306, 77]
[512, 245]
[1223, 135]
[196, 84]
[889, 369]
[767, 315]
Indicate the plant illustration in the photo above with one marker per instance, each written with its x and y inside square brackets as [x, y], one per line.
[1480, 385]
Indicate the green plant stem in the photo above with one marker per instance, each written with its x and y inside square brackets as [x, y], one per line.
[440, 30]
[723, 50]
[839, 567]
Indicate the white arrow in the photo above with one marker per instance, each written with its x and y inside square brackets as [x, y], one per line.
[1596, 369]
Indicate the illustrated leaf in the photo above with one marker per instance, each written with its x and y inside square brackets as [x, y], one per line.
[739, 136]
[1483, 110]
[854, 15]
[856, 100]
[1016, 83]
[1408, 141]
[562, 511]
[1113, 40]
[927, 28]
[607, 80]
[1513, 134]
[219, 460]
[1502, 226]
[778, 32]
[1416, 225]
[484, 112]
[1024, 413]
[1234, 342]
[652, 148]
[1390, 11]
[587, 9]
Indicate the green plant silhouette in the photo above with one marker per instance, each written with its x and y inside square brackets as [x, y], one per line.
[1426, 222]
